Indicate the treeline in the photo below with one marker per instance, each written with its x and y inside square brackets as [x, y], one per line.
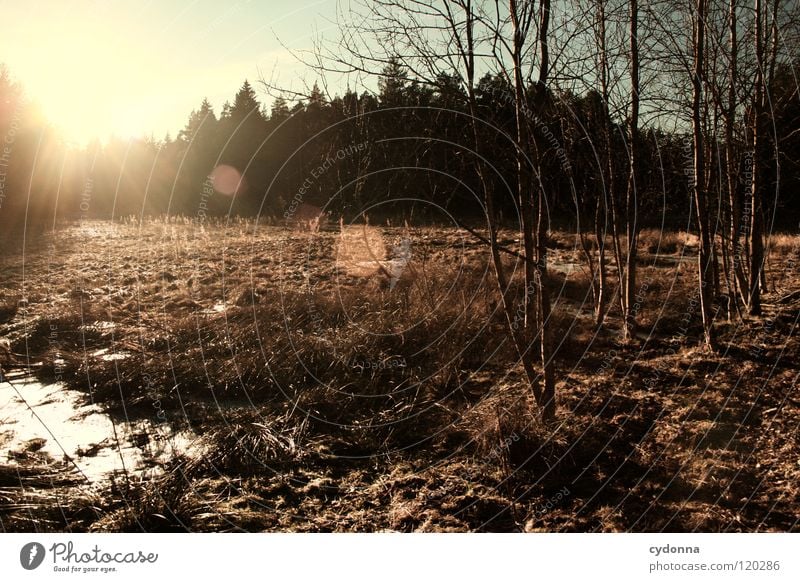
[407, 149]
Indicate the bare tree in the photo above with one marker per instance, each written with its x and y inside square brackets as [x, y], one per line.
[446, 37]
[631, 195]
[530, 192]
[737, 282]
[705, 269]
[756, 240]
[607, 201]
[608, 222]
[542, 227]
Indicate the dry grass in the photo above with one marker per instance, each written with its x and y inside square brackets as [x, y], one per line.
[782, 244]
[287, 364]
[651, 240]
[45, 497]
[659, 242]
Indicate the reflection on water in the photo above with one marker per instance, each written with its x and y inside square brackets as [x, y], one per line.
[108, 356]
[51, 419]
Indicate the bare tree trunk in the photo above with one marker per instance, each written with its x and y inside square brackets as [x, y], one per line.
[544, 71]
[534, 235]
[516, 332]
[601, 218]
[737, 277]
[610, 211]
[773, 59]
[774, 40]
[710, 145]
[524, 174]
[601, 288]
[698, 181]
[548, 368]
[631, 197]
[756, 242]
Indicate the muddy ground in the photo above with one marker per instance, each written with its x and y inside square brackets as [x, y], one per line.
[360, 380]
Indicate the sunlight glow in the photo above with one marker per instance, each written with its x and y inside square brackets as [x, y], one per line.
[88, 83]
[97, 69]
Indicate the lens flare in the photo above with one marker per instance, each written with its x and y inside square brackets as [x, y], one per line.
[228, 180]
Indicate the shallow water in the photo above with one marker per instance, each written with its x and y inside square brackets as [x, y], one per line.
[106, 355]
[52, 419]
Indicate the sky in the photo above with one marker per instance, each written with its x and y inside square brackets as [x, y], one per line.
[132, 68]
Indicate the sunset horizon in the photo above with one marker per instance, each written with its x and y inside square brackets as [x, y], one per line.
[98, 71]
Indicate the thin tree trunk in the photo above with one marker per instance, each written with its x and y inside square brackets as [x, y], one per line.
[517, 337]
[710, 180]
[544, 71]
[611, 189]
[548, 365]
[698, 180]
[737, 276]
[537, 314]
[756, 242]
[601, 219]
[773, 59]
[631, 197]
[601, 288]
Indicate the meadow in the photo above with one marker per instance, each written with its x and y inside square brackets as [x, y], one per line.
[358, 378]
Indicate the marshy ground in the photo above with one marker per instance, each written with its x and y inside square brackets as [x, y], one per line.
[243, 377]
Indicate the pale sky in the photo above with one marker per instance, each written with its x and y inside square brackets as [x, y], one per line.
[102, 67]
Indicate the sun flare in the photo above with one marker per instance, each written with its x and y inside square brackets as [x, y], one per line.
[90, 84]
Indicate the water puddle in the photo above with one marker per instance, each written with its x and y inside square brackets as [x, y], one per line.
[37, 419]
[108, 356]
